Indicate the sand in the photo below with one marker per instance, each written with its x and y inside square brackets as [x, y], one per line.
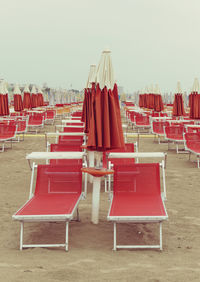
[90, 256]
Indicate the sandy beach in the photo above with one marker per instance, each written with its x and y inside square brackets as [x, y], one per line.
[90, 256]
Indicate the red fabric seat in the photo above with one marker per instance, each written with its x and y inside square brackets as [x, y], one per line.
[70, 140]
[72, 129]
[158, 127]
[7, 131]
[174, 132]
[136, 190]
[57, 193]
[137, 197]
[66, 148]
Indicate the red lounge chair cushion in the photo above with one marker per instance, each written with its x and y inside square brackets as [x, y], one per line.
[50, 204]
[130, 204]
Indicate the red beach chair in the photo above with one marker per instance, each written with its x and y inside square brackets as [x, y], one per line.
[174, 133]
[58, 191]
[157, 128]
[192, 144]
[7, 133]
[36, 121]
[50, 116]
[137, 199]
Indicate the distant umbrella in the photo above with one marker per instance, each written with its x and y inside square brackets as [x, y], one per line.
[4, 108]
[27, 98]
[18, 104]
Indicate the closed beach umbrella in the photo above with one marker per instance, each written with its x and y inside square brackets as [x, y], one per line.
[40, 99]
[178, 106]
[4, 108]
[18, 104]
[87, 98]
[158, 102]
[194, 100]
[105, 130]
[27, 98]
[34, 102]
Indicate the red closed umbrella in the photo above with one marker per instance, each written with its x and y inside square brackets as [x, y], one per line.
[18, 104]
[87, 98]
[27, 98]
[34, 100]
[105, 132]
[40, 98]
[4, 108]
[194, 100]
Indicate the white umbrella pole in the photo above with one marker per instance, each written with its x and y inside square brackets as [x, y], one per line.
[91, 163]
[96, 199]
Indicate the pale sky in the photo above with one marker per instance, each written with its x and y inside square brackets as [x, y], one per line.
[55, 41]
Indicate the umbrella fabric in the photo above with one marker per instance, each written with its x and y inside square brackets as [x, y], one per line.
[105, 130]
[178, 106]
[4, 108]
[194, 105]
[27, 100]
[18, 104]
[40, 99]
[158, 103]
[86, 109]
[34, 99]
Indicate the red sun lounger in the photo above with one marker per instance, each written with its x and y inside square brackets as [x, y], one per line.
[58, 191]
[137, 198]
[7, 133]
[192, 144]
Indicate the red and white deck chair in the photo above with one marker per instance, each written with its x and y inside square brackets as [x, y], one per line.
[70, 162]
[68, 138]
[22, 126]
[69, 128]
[142, 122]
[157, 127]
[137, 196]
[110, 164]
[7, 133]
[58, 191]
[174, 134]
[35, 122]
[192, 144]
[50, 116]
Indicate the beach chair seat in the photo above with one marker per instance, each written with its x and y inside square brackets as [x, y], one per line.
[192, 144]
[70, 140]
[174, 133]
[142, 122]
[137, 198]
[36, 121]
[73, 129]
[58, 191]
[7, 133]
[70, 162]
[50, 116]
[157, 128]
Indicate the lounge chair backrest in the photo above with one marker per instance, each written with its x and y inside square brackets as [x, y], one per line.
[58, 179]
[7, 130]
[141, 178]
[192, 137]
[70, 140]
[72, 129]
[158, 126]
[65, 148]
[129, 147]
[142, 120]
[174, 131]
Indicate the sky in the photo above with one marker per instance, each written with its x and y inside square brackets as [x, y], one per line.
[56, 41]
